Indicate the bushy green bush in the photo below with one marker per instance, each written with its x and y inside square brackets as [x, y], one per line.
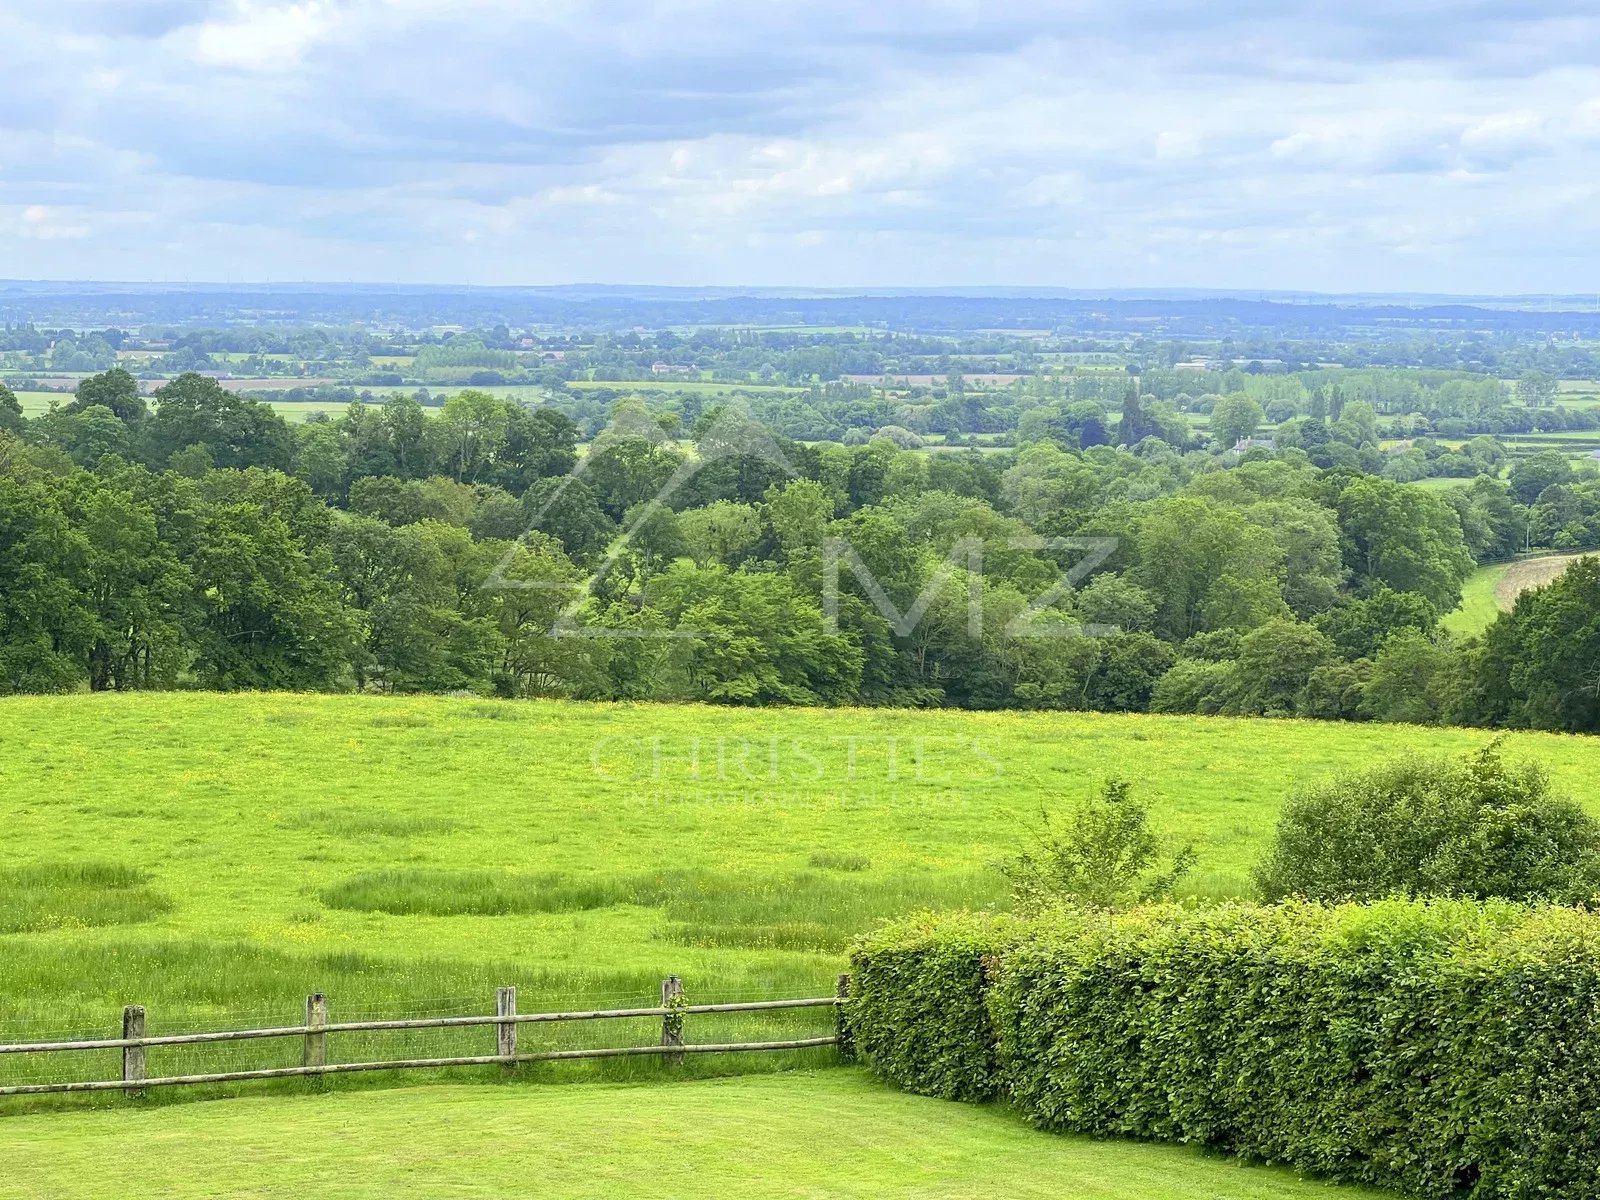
[916, 1009]
[1418, 826]
[1441, 1048]
[1103, 855]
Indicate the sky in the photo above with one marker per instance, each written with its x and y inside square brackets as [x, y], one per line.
[1366, 145]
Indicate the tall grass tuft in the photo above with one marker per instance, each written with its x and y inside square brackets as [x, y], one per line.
[76, 896]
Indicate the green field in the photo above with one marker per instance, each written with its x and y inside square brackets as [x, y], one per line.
[680, 383]
[835, 1133]
[217, 857]
[1478, 607]
[35, 404]
[1492, 590]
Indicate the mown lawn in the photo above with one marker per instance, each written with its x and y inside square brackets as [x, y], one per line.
[216, 858]
[834, 1133]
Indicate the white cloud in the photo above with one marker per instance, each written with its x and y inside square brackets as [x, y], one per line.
[256, 36]
[1238, 143]
[40, 222]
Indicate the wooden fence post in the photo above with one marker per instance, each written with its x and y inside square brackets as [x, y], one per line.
[133, 1056]
[505, 1005]
[672, 1023]
[316, 1053]
[841, 1027]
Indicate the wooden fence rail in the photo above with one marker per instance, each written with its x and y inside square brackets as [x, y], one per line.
[505, 1019]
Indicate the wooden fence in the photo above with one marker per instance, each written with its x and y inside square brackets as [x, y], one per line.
[506, 1020]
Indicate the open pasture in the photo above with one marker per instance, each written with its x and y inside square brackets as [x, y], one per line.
[1492, 590]
[216, 857]
[670, 383]
[35, 404]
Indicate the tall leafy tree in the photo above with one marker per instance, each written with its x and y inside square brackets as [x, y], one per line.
[1405, 538]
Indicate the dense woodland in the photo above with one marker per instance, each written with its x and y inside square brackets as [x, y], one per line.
[195, 538]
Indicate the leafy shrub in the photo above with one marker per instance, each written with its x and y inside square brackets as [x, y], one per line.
[1444, 1048]
[1104, 856]
[1434, 827]
[916, 1009]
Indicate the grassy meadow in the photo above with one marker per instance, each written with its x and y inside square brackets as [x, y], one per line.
[218, 857]
[1478, 607]
[1492, 590]
[754, 1137]
[36, 404]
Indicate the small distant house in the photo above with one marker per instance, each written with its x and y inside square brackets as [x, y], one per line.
[666, 368]
[1255, 443]
[1595, 454]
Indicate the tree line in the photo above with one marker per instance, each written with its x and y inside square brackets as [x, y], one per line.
[197, 540]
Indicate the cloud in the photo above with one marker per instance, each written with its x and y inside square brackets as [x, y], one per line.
[1241, 143]
[40, 222]
[257, 36]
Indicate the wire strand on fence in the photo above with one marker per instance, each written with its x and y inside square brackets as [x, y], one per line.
[476, 1060]
[219, 1045]
[281, 1031]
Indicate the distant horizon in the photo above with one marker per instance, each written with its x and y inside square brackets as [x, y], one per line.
[49, 286]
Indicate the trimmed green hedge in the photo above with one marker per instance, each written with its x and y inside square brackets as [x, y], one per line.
[1444, 1048]
[917, 1004]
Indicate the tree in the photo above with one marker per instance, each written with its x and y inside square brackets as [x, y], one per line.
[1541, 661]
[1537, 389]
[1472, 827]
[114, 389]
[1103, 855]
[1403, 687]
[1047, 480]
[320, 459]
[1405, 538]
[470, 433]
[1114, 600]
[1308, 536]
[404, 427]
[624, 470]
[751, 639]
[10, 410]
[1360, 626]
[271, 615]
[236, 432]
[1235, 417]
[1131, 429]
[1130, 666]
[46, 627]
[1529, 477]
[722, 532]
[1208, 565]
[137, 593]
[567, 509]
[1274, 667]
